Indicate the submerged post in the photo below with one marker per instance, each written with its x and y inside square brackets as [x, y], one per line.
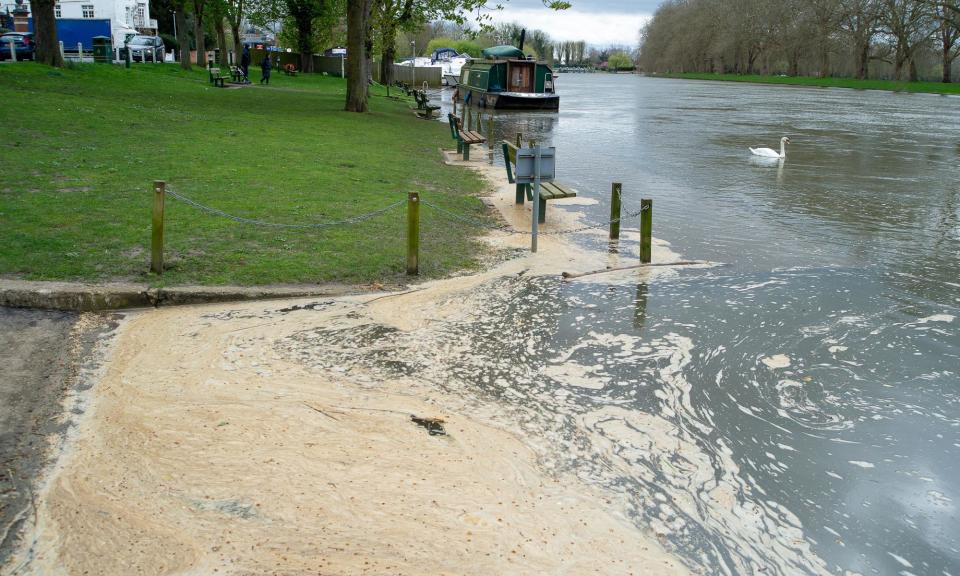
[646, 229]
[413, 233]
[535, 227]
[615, 211]
[156, 240]
[490, 137]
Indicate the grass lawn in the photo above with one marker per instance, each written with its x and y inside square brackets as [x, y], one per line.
[891, 85]
[80, 148]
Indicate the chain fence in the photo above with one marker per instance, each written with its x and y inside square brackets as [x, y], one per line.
[257, 222]
[508, 229]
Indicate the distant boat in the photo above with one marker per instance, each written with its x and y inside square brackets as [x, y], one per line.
[506, 79]
[451, 63]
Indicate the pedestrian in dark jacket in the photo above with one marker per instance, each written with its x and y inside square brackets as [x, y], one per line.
[265, 65]
[245, 63]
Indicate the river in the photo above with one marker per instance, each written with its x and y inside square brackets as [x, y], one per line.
[796, 410]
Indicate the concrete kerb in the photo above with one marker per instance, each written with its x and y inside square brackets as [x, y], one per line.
[117, 296]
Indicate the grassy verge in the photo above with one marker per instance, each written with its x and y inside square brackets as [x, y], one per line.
[79, 149]
[891, 85]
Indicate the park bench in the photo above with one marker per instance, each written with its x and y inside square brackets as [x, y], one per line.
[463, 137]
[548, 190]
[423, 104]
[215, 78]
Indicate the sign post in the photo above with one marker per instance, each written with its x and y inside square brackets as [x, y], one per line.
[535, 165]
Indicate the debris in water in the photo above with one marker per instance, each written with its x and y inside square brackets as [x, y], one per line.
[776, 361]
[433, 425]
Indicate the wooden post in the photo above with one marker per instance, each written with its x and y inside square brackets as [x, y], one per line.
[646, 229]
[615, 211]
[413, 233]
[156, 242]
[519, 140]
[490, 137]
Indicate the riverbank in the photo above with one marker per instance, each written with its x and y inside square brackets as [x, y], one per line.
[82, 146]
[265, 438]
[888, 85]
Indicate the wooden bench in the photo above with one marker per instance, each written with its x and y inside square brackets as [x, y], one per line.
[423, 104]
[215, 78]
[463, 137]
[548, 190]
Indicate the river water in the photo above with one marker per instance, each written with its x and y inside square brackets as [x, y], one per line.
[796, 410]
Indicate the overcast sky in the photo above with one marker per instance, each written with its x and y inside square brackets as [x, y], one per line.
[599, 22]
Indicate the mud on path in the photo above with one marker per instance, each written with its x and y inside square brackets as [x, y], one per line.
[43, 356]
[277, 438]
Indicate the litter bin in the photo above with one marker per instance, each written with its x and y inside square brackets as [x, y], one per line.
[102, 49]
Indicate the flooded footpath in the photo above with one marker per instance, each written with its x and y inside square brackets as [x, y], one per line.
[279, 438]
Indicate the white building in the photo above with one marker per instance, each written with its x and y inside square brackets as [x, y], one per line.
[126, 16]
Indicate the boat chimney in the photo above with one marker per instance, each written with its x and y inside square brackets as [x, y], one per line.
[523, 36]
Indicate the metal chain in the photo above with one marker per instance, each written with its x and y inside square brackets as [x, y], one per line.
[320, 225]
[506, 228]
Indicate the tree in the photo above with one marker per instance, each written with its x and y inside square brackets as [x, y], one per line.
[859, 20]
[305, 13]
[909, 23]
[947, 13]
[199, 35]
[358, 16]
[619, 61]
[183, 39]
[45, 33]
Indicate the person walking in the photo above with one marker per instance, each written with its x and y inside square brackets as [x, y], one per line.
[245, 64]
[265, 65]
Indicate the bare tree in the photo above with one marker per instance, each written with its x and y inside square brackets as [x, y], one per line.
[947, 14]
[859, 20]
[909, 23]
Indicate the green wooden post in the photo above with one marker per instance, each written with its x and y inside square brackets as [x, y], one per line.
[156, 241]
[490, 137]
[615, 211]
[413, 233]
[646, 230]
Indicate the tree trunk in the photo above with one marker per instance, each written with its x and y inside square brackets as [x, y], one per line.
[388, 53]
[45, 33]
[824, 60]
[358, 13]
[221, 41]
[183, 37]
[863, 61]
[913, 70]
[304, 21]
[200, 40]
[237, 44]
[947, 64]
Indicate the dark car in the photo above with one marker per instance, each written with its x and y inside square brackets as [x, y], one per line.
[22, 45]
[144, 48]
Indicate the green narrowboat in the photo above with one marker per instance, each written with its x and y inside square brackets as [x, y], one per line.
[506, 79]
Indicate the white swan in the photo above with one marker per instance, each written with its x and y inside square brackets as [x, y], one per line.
[768, 153]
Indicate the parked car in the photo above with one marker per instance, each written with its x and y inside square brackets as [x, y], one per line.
[143, 48]
[22, 45]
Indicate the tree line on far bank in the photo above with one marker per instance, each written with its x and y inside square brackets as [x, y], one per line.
[898, 39]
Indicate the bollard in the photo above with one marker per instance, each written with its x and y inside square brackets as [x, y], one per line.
[13, 50]
[156, 241]
[80, 52]
[615, 211]
[646, 229]
[413, 233]
[61, 50]
[490, 137]
[127, 57]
